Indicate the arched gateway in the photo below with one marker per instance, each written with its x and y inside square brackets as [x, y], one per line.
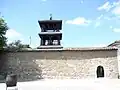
[100, 71]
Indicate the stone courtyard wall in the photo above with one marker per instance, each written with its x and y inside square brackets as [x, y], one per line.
[34, 65]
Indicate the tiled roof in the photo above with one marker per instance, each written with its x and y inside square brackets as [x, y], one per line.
[92, 48]
[116, 43]
[44, 21]
[72, 49]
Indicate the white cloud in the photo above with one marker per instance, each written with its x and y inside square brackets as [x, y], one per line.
[9, 41]
[97, 24]
[100, 17]
[116, 10]
[12, 40]
[78, 21]
[107, 18]
[111, 27]
[113, 7]
[81, 1]
[11, 33]
[44, 0]
[34, 45]
[107, 6]
[117, 30]
[116, 3]
[103, 17]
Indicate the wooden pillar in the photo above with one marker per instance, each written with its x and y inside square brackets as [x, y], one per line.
[41, 43]
[43, 28]
[48, 26]
[58, 40]
[50, 41]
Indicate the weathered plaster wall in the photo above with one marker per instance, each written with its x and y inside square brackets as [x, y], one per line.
[118, 57]
[60, 64]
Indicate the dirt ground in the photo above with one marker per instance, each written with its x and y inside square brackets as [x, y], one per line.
[81, 84]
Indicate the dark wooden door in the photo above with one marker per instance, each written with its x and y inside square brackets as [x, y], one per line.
[100, 71]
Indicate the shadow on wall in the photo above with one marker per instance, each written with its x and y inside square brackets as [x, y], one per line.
[30, 74]
[3, 60]
[26, 71]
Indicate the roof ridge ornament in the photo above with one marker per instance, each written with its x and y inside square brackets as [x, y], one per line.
[50, 16]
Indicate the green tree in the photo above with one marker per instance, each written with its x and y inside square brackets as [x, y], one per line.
[16, 45]
[3, 29]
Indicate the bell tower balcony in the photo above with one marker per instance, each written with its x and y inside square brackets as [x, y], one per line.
[50, 34]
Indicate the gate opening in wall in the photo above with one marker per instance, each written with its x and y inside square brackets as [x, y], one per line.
[100, 71]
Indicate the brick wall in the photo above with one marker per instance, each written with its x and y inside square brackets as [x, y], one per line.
[60, 64]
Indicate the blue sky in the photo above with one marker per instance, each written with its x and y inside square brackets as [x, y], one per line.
[86, 23]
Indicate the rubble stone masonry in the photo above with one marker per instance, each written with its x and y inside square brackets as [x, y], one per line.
[68, 64]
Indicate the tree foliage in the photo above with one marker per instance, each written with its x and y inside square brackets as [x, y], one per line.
[16, 46]
[3, 29]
